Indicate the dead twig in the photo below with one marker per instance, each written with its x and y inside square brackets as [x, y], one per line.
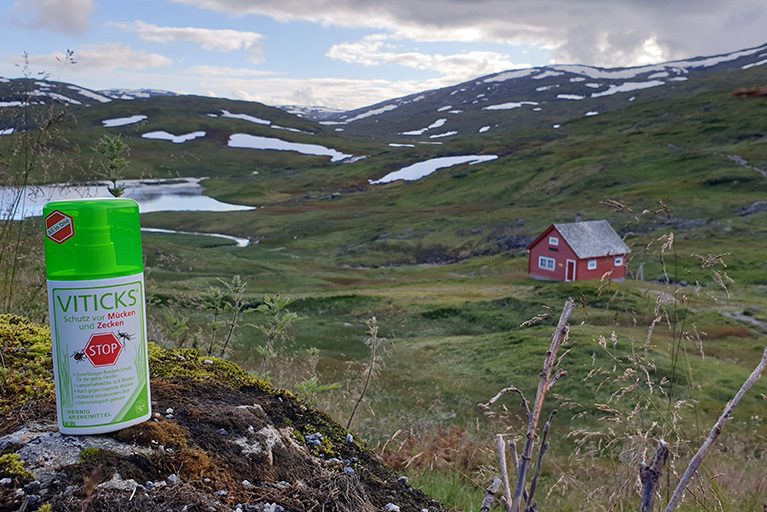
[697, 460]
[491, 493]
[649, 476]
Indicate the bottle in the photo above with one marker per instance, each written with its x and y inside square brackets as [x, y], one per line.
[95, 272]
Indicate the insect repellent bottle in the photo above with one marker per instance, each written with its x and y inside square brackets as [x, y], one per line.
[95, 273]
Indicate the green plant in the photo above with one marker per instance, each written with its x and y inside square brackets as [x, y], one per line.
[236, 288]
[214, 301]
[373, 366]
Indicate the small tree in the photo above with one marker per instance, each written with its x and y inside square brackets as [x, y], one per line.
[114, 151]
[275, 328]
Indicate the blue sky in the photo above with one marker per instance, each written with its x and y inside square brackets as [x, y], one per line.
[352, 53]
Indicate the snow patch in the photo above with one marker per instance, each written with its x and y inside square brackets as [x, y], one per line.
[421, 169]
[122, 121]
[90, 94]
[508, 75]
[395, 145]
[245, 117]
[570, 97]
[627, 87]
[242, 140]
[591, 113]
[754, 64]
[176, 139]
[483, 129]
[546, 88]
[56, 96]
[445, 134]
[509, 106]
[7, 131]
[374, 112]
[436, 124]
[547, 74]
[446, 107]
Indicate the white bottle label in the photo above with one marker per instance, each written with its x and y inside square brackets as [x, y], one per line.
[100, 358]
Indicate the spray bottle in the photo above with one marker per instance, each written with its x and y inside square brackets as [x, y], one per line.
[95, 274]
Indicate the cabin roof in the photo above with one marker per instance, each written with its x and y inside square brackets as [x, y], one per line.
[592, 239]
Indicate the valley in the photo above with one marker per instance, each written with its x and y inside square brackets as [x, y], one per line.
[440, 260]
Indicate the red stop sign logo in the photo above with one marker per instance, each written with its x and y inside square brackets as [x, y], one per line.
[59, 227]
[103, 349]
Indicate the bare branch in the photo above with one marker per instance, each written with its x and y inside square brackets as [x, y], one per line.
[649, 476]
[543, 387]
[504, 391]
[504, 472]
[541, 453]
[491, 493]
[697, 460]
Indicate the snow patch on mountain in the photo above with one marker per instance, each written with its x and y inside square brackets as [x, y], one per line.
[122, 121]
[176, 139]
[90, 94]
[436, 124]
[421, 169]
[509, 75]
[509, 106]
[627, 87]
[245, 117]
[374, 112]
[243, 140]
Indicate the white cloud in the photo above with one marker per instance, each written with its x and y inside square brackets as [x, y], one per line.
[214, 71]
[346, 94]
[107, 57]
[208, 39]
[456, 67]
[597, 32]
[66, 16]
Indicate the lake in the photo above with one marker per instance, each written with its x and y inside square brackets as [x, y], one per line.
[182, 194]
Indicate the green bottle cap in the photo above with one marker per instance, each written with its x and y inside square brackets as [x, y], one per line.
[92, 239]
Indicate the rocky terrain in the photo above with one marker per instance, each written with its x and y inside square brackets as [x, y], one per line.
[219, 440]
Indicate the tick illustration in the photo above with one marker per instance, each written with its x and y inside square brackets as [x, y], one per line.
[79, 355]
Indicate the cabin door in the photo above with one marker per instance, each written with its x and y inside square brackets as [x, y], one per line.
[570, 270]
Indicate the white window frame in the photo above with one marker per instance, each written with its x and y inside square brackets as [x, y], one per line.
[553, 240]
[546, 263]
[619, 261]
[592, 265]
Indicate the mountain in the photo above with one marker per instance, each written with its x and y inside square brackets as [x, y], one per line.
[510, 101]
[539, 97]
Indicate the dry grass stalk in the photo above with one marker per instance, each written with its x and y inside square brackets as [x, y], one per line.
[697, 460]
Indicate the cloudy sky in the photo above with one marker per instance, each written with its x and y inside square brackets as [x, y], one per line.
[352, 53]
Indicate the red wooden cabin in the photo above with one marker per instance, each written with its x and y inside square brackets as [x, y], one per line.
[578, 251]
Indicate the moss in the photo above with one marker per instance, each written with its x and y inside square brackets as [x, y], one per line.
[27, 371]
[46, 508]
[12, 466]
[164, 433]
[90, 455]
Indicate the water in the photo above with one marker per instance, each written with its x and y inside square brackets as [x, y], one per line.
[183, 194]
